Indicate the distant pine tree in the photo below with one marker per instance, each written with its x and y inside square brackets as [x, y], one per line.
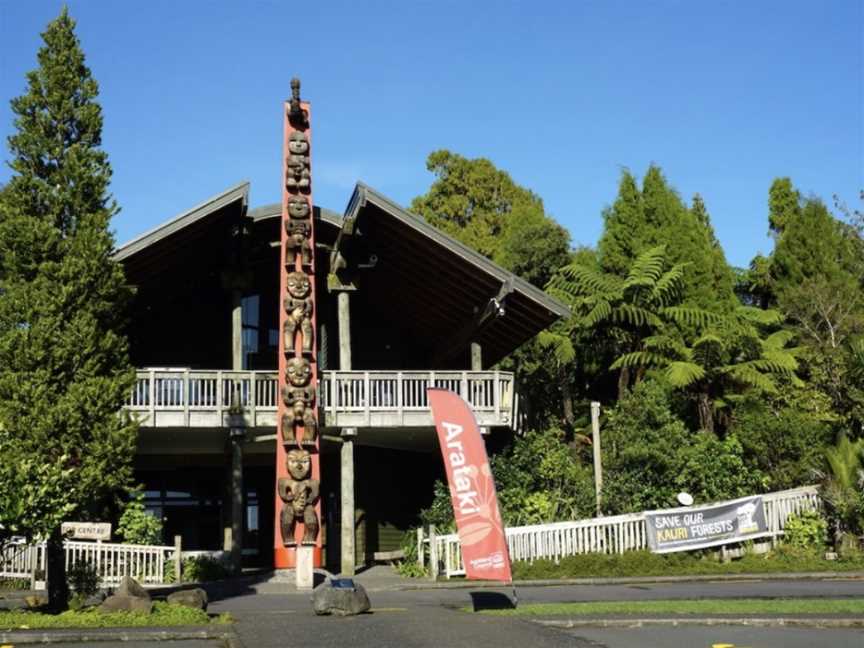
[64, 366]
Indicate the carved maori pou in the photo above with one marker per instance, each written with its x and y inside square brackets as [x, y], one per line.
[297, 163]
[300, 402]
[298, 311]
[297, 242]
[298, 372]
[296, 115]
[298, 207]
[298, 493]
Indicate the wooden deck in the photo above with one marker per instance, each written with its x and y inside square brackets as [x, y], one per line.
[177, 398]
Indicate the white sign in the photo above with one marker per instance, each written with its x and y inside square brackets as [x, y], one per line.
[86, 530]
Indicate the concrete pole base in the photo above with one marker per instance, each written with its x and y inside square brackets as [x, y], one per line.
[305, 570]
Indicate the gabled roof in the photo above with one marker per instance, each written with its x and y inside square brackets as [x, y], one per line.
[239, 192]
[364, 194]
[449, 294]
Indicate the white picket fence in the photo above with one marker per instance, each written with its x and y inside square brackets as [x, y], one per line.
[145, 563]
[612, 534]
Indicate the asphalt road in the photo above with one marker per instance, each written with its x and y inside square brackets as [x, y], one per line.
[699, 637]
[427, 618]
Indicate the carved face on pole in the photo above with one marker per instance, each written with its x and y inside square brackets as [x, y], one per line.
[298, 371]
[298, 284]
[299, 463]
[298, 207]
[298, 144]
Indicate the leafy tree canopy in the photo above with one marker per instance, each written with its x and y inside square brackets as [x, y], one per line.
[480, 205]
[64, 368]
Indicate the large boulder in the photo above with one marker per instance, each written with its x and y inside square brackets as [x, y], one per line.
[194, 598]
[342, 601]
[128, 597]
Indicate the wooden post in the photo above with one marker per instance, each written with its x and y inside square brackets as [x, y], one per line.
[420, 547]
[433, 553]
[598, 468]
[236, 330]
[476, 357]
[178, 562]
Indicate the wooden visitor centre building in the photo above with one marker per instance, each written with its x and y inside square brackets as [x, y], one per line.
[400, 307]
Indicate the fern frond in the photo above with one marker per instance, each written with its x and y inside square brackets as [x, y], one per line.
[684, 374]
[639, 359]
[634, 315]
[765, 317]
[778, 340]
[648, 266]
[688, 316]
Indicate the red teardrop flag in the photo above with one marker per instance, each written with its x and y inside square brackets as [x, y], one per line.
[472, 488]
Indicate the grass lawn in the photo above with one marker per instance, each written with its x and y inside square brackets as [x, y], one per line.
[645, 563]
[696, 607]
[163, 615]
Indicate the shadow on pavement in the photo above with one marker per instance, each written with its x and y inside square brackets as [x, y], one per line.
[491, 601]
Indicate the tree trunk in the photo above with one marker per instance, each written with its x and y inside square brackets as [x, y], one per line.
[567, 400]
[706, 412]
[623, 382]
[58, 588]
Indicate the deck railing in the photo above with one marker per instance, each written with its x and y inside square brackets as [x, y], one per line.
[189, 398]
[145, 563]
[612, 534]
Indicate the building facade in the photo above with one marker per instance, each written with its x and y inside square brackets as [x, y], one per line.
[400, 307]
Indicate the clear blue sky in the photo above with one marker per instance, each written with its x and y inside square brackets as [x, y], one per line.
[724, 96]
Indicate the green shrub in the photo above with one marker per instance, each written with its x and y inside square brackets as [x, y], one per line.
[808, 530]
[204, 568]
[136, 525]
[785, 446]
[785, 558]
[83, 578]
[409, 566]
[164, 614]
[10, 584]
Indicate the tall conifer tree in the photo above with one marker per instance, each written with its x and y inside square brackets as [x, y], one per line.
[64, 366]
[639, 220]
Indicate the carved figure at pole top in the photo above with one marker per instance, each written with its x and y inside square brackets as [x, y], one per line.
[298, 117]
[298, 207]
[298, 310]
[297, 242]
[300, 402]
[297, 163]
[298, 493]
[298, 372]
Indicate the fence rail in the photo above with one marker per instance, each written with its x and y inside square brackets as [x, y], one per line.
[145, 563]
[187, 398]
[612, 534]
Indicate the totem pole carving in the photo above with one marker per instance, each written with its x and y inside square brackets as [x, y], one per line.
[297, 242]
[299, 493]
[300, 402]
[298, 312]
[297, 483]
[297, 163]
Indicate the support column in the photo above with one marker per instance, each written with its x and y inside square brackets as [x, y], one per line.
[236, 330]
[344, 309]
[347, 552]
[476, 357]
[347, 549]
[233, 532]
[237, 435]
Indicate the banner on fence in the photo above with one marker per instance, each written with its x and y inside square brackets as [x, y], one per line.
[472, 489]
[696, 527]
